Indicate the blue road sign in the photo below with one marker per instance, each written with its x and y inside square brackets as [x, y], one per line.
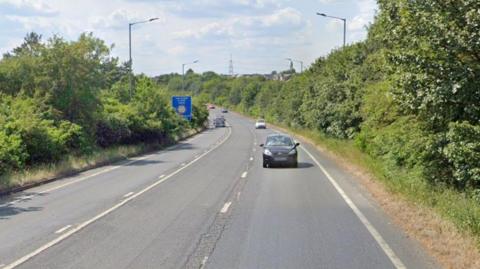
[183, 106]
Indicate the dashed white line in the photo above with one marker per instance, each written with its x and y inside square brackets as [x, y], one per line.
[244, 175]
[104, 213]
[251, 158]
[63, 229]
[375, 234]
[225, 207]
[238, 196]
[25, 197]
[204, 262]
[128, 194]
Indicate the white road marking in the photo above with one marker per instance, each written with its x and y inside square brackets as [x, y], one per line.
[375, 234]
[244, 175]
[225, 207]
[128, 194]
[93, 175]
[2, 265]
[204, 262]
[162, 176]
[238, 196]
[183, 164]
[104, 213]
[63, 229]
[134, 160]
[251, 158]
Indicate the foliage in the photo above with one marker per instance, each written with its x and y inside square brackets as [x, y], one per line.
[61, 98]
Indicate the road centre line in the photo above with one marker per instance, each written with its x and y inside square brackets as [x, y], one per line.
[106, 212]
[375, 234]
[225, 207]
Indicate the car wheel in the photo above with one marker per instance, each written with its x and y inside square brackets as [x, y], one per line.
[265, 165]
[295, 164]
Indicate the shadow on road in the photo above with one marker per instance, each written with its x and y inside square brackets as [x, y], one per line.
[301, 165]
[11, 210]
[183, 146]
[144, 162]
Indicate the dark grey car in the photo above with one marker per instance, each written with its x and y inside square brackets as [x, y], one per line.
[280, 149]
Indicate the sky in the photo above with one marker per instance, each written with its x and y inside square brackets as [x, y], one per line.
[258, 34]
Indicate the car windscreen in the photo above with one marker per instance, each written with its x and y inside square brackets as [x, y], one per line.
[261, 121]
[278, 141]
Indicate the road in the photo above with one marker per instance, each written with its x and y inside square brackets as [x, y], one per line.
[205, 203]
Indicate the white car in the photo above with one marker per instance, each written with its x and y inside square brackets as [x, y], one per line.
[260, 124]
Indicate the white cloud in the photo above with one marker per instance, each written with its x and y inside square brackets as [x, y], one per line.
[26, 8]
[120, 18]
[261, 33]
[281, 22]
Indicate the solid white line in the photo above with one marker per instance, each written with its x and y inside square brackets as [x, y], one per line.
[225, 207]
[63, 229]
[128, 194]
[162, 176]
[376, 235]
[133, 160]
[106, 212]
[244, 175]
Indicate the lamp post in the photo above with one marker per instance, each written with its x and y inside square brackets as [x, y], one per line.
[183, 73]
[344, 25]
[130, 62]
[297, 61]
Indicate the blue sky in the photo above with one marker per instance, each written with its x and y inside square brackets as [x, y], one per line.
[259, 34]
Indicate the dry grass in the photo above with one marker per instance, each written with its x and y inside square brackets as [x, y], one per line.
[74, 164]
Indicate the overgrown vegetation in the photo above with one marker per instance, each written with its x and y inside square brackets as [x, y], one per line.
[70, 100]
[408, 97]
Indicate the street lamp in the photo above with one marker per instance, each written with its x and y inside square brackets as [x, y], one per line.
[297, 61]
[130, 63]
[344, 25]
[291, 64]
[183, 73]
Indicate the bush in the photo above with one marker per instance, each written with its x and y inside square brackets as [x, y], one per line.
[12, 152]
[463, 153]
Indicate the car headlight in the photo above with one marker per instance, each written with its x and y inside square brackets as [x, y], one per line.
[267, 152]
[292, 152]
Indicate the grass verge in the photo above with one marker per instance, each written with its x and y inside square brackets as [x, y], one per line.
[73, 164]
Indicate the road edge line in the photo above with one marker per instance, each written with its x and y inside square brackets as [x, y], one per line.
[80, 227]
[371, 229]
